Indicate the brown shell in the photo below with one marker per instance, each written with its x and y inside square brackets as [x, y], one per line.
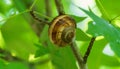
[56, 28]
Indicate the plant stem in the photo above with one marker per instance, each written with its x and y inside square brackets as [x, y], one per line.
[44, 16]
[81, 61]
[38, 19]
[78, 56]
[59, 7]
[89, 49]
[48, 8]
[31, 7]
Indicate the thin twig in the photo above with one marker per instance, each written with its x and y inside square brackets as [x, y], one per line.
[114, 18]
[38, 19]
[31, 7]
[59, 7]
[89, 49]
[78, 56]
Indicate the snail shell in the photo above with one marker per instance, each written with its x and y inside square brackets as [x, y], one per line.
[62, 30]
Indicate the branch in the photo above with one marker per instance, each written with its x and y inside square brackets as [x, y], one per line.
[89, 49]
[73, 44]
[59, 6]
[78, 56]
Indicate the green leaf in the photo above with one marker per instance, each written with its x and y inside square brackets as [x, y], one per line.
[44, 34]
[81, 36]
[97, 59]
[2, 64]
[111, 61]
[19, 37]
[12, 65]
[66, 5]
[103, 27]
[63, 58]
[20, 5]
[77, 18]
[109, 9]
[41, 51]
[92, 30]
[16, 65]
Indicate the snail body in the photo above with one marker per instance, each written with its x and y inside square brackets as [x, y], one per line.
[62, 30]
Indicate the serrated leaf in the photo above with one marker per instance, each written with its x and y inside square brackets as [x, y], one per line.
[81, 36]
[77, 18]
[104, 28]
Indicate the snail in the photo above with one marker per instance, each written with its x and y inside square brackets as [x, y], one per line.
[62, 30]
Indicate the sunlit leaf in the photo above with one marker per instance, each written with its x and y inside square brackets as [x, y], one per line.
[19, 37]
[108, 8]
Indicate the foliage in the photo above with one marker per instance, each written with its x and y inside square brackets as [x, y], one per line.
[28, 42]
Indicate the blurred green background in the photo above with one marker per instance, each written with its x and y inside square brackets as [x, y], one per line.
[24, 42]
